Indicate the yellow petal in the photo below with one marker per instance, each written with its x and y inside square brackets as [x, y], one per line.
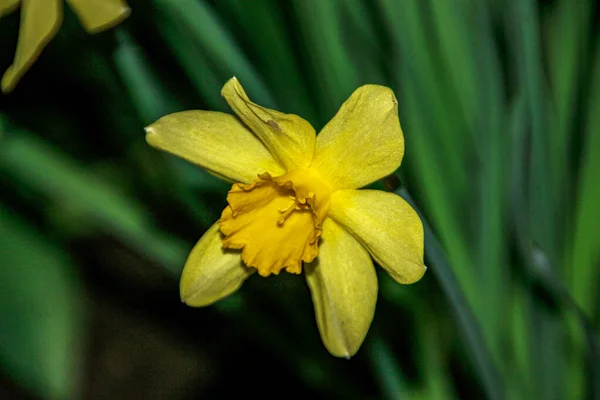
[288, 137]
[343, 285]
[216, 141]
[211, 273]
[40, 20]
[387, 226]
[99, 15]
[363, 142]
[7, 6]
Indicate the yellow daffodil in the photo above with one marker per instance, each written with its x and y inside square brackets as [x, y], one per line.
[41, 19]
[294, 202]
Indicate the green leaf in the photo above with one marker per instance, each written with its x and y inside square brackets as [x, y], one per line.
[417, 67]
[544, 274]
[491, 144]
[568, 52]
[434, 165]
[438, 379]
[42, 313]
[541, 188]
[146, 92]
[269, 37]
[585, 251]
[79, 195]
[207, 49]
[480, 356]
[330, 65]
[391, 380]
[546, 344]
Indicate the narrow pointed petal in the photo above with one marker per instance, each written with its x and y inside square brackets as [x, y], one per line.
[343, 285]
[40, 20]
[363, 142]
[7, 6]
[99, 15]
[211, 273]
[215, 141]
[288, 137]
[387, 226]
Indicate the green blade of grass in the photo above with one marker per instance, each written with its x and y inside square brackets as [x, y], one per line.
[520, 386]
[545, 275]
[491, 143]
[541, 330]
[266, 31]
[466, 322]
[518, 200]
[458, 53]
[585, 251]
[42, 312]
[415, 64]
[438, 380]
[546, 331]
[365, 47]
[389, 375]
[147, 94]
[568, 47]
[202, 42]
[204, 76]
[541, 190]
[438, 189]
[418, 101]
[328, 59]
[81, 196]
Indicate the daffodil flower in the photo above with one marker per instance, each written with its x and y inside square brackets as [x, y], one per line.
[41, 19]
[294, 202]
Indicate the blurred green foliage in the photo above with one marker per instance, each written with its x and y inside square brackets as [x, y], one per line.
[499, 103]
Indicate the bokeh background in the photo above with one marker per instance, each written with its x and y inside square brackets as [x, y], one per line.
[500, 106]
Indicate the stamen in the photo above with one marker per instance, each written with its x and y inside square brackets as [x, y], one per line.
[287, 210]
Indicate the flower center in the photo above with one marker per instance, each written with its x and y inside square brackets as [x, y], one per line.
[276, 221]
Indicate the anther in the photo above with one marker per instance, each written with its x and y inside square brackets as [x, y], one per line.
[287, 210]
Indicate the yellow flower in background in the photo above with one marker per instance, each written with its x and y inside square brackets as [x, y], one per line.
[295, 203]
[41, 19]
